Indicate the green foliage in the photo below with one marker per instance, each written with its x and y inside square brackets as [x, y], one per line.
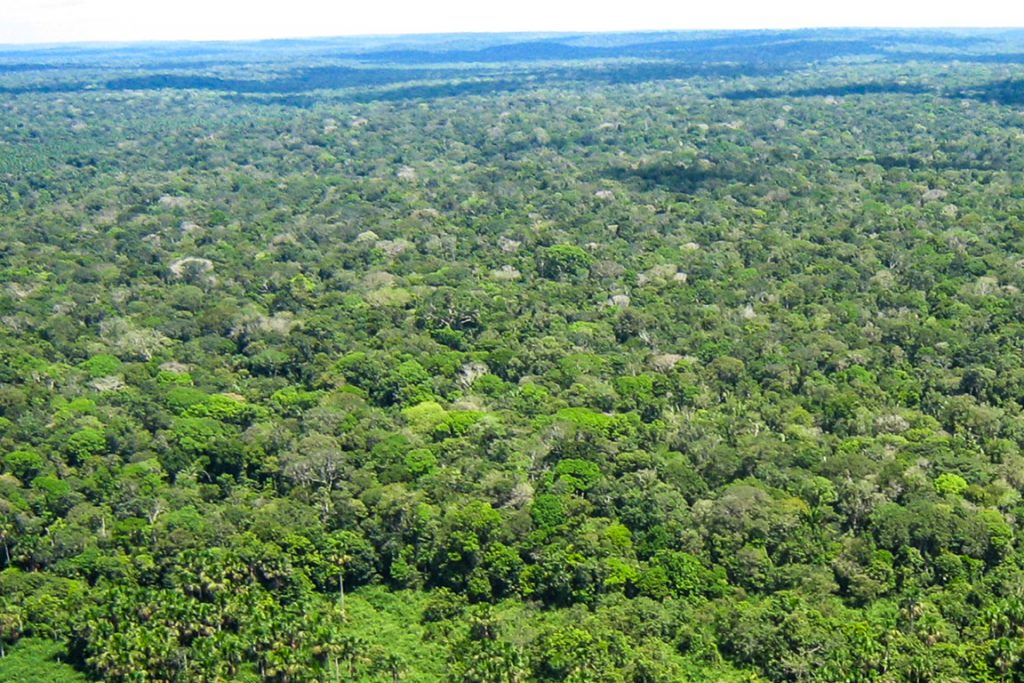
[623, 369]
[25, 465]
[548, 511]
[578, 475]
[294, 400]
[166, 377]
[181, 398]
[420, 461]
[34, 660]
[950, 484]
[687, 576]
[425, 417]
[101, 365]
[225, 408]
[85, 443]
[54, 493]
[585, 418]
[562, 259]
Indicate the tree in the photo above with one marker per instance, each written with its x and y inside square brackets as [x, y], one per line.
[559, 260]
[11, 625]
[483, 656]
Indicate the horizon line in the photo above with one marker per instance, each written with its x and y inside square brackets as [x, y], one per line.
[106, 44]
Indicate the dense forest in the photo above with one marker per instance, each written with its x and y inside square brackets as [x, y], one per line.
[630, 358]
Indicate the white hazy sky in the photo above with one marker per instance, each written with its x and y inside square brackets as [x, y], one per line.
[47, 21]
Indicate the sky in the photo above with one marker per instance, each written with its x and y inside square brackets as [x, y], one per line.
[62, 21]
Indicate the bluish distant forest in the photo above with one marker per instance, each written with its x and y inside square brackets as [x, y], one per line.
[512, 358]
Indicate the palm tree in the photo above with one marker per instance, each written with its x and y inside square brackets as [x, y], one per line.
[336, 554]
[329, 647]
[483, 657]
[6, 531]
[11, 624]
[353, 651]
[391, 664]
